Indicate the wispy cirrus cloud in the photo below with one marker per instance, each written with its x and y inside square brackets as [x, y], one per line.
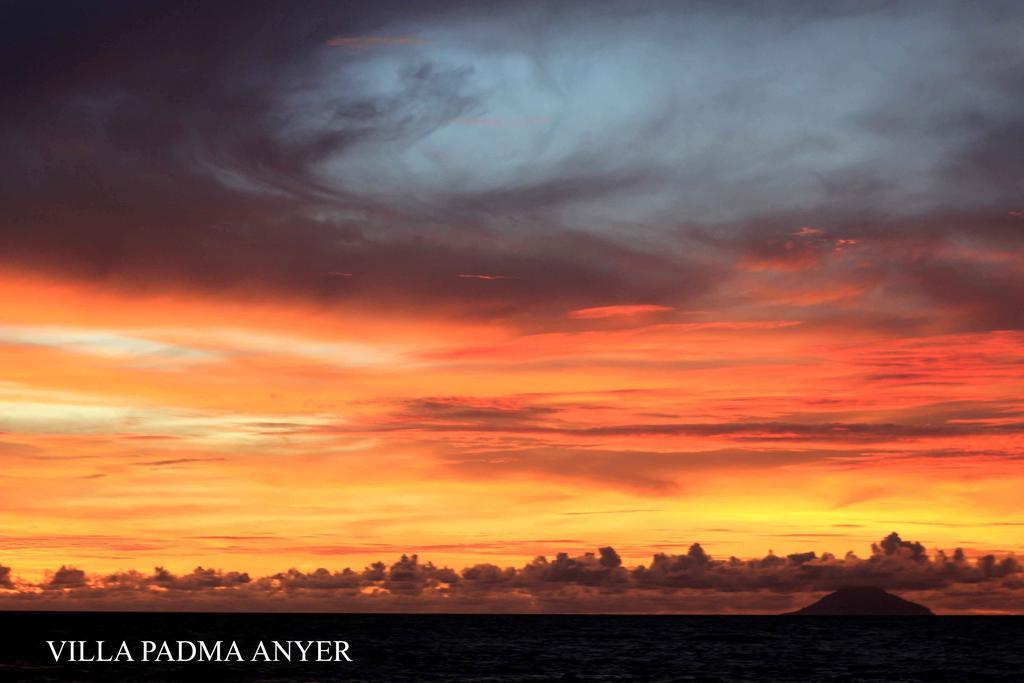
[363, 42]
[470, 276]
[599, 312]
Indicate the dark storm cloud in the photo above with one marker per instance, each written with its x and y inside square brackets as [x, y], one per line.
[5, 577]
[163, 157]
[590, 582]
[231, 147]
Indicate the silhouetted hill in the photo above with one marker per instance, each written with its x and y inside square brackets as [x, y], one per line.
[863, 601]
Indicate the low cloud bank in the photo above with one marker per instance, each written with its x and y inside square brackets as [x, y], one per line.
[592, 582]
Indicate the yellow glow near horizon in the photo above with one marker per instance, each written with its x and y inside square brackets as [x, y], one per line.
[177, 430]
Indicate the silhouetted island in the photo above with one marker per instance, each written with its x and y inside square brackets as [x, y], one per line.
[863, 601]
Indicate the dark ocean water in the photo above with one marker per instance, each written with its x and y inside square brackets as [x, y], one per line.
[539, 648]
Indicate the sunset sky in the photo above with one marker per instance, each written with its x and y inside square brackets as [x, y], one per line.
[303, 285]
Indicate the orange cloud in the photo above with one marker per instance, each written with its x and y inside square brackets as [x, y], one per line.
[170, 428]
[469, 276]
[599, 312]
